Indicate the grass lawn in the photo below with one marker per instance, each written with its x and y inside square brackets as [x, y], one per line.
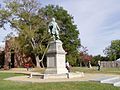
[6, 75]
[94, 70]
[12, 85]
[6, 85]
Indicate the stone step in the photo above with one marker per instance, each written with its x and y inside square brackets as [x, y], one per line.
[112, 79]
[117, 84]
[102, 78]
[115, 80]
[35, 74]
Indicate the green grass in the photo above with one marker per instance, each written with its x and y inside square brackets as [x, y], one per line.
[12, 85]
[9, 85]
[94, 70]
[7, 75]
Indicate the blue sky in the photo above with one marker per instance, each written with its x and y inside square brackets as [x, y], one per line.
[98, 21]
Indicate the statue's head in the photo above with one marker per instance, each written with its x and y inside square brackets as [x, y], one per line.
[53, 19]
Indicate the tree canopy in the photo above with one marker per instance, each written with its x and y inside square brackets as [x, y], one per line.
[31, 22]
[23, 16]
[113, 51]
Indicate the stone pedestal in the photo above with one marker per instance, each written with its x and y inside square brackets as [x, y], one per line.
[56, 59]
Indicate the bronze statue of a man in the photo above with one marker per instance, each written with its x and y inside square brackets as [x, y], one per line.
[54, 29]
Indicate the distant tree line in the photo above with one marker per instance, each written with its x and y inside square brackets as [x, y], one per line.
[113, 50]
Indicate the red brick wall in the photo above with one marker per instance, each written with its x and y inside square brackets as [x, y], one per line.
[20, 59]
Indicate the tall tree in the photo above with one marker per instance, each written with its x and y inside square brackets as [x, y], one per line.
[23, 16]
[31, 22]
[69, 32]
[113, 51]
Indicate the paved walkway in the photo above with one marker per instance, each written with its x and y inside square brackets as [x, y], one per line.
[25, 78]
[87, 77]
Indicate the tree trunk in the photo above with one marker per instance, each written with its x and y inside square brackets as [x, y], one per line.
[41, 61]
[80, 64]
[42, 65]
[37, 61]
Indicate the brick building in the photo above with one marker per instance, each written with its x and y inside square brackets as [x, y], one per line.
[14, 58]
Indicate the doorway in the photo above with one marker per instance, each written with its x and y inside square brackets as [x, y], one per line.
[12, 59]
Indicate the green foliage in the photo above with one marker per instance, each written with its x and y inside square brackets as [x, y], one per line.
[31, 22]
[23, 16]
[113, 51]
[68, 34]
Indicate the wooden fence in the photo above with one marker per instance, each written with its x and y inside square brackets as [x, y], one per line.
[110, 64]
